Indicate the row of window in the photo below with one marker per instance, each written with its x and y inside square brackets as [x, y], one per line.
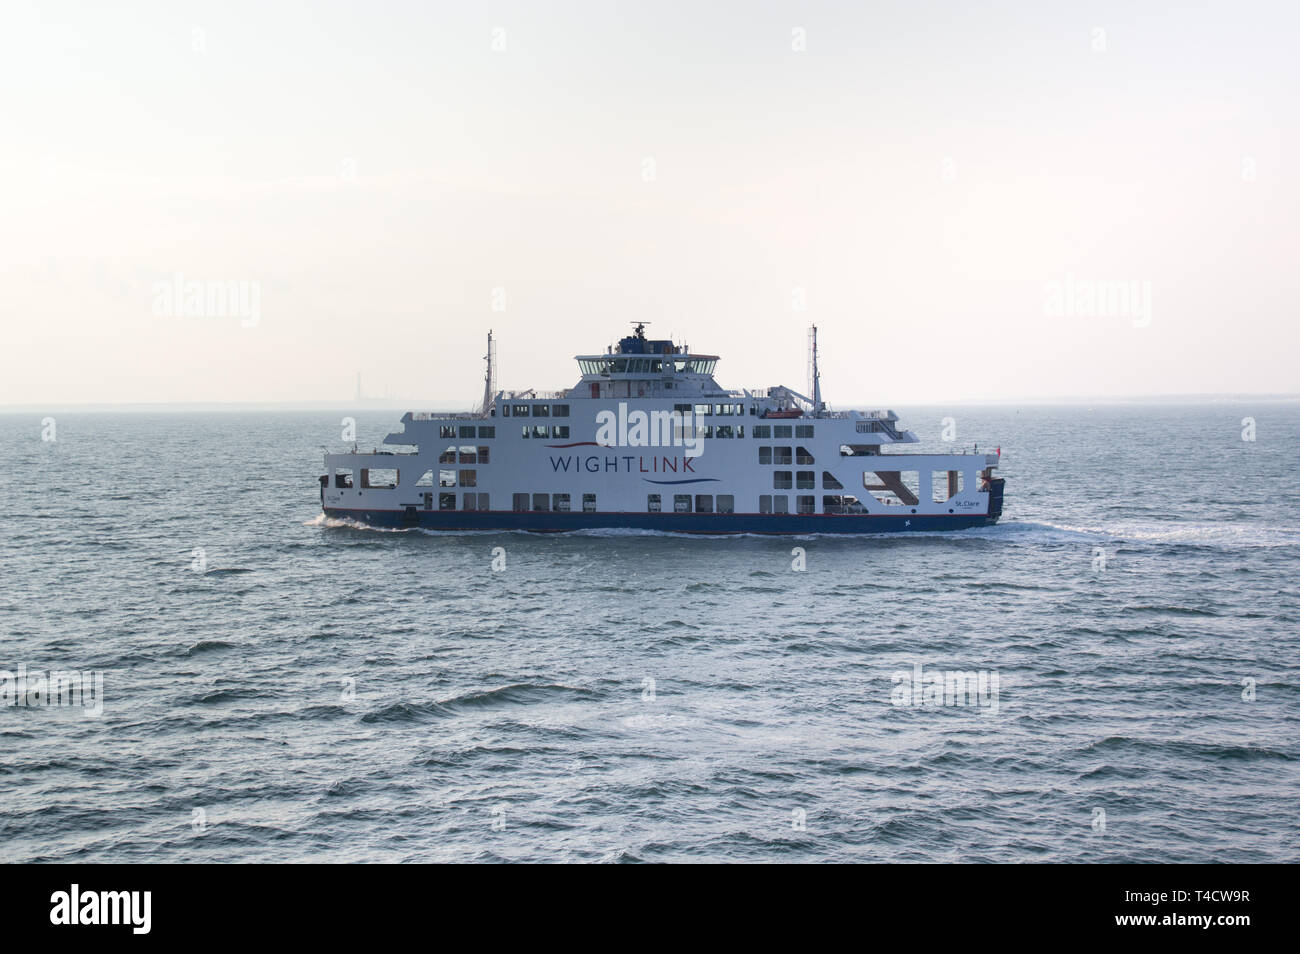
[452, 478]
[719, 430]
[759, 431]
[697, 503]
[469, 501]
[713, 410]
[467, 430]
[555, 503]
[780, 503]
[546, 430]
[682, 503]
[465, 455]
[613, 365]
[804, 480]
[764, 432]
[537, 410]
[782, 455]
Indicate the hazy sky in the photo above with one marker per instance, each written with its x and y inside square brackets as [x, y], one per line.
[922, 180]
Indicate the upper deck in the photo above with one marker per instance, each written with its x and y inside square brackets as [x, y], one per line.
[641, 368]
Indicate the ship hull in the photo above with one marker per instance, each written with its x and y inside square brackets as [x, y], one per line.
[782, 524]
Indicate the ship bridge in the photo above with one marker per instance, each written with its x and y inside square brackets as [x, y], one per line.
[646, 367]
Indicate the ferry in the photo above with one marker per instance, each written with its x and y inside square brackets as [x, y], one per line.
[648, 440]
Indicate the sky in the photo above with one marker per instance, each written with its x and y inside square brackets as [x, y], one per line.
[956, 194]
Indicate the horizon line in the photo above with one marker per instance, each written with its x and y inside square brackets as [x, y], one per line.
[383, 404]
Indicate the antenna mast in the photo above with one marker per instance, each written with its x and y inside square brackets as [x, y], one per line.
[490, 378]
[814, 375]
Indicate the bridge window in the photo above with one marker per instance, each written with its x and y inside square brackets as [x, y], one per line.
[781, 480]
[489, 430]
[807, 504]
[446, 501]
[560, 503]
[652, 503]
[588, 503]
[559, 410]
[805, 480]
[541, 410]
[521, 410]
[467, 430]
[446, 430]
[726, 503]
[681, 503]
[761, 432]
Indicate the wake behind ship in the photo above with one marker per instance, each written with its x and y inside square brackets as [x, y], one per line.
[647, 439]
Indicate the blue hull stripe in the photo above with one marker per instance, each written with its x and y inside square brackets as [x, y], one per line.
[669, 522]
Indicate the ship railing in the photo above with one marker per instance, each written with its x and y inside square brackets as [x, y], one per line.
[531, 395]
[448, 416]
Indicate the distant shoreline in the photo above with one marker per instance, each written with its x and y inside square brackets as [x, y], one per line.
[431, 405]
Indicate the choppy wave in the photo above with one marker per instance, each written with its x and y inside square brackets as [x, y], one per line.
[334, 692]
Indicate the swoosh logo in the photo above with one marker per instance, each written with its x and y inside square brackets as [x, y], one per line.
[698, 480]
[579, 444]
